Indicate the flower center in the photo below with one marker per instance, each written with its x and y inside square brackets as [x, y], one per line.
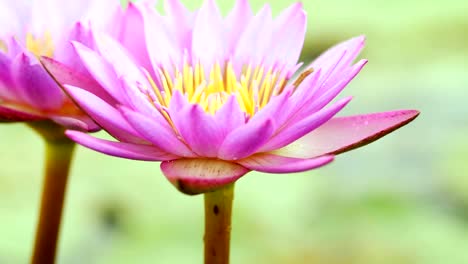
[253, 87]
[40, 46]
[3, 46]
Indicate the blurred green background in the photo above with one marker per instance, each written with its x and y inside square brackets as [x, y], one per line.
[403, 199]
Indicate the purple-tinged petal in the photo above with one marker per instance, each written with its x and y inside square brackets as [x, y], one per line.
[101, 70]
[297, 130]
[307, 105]
[139, 97]
[132, 34]
[10, 113]
[178, 102]
[120, 59]
[181, 23]
[272, 163]
[34, 83]
[253, 43]
[14, 47]
[80, 123]
[352, 47]
[290, 27]
[103, 114]
[157, 132]
[65, 52]
[64, 74]
[120, 149]
[301, 98]
[208, 41]
[277, 107]
[230, 116]
[246, 140]
[199, 129]
[342, 134]
[321, 99]
[194, 176]
[7, 89]
[236, 22]
[162, 49]
[336, 59]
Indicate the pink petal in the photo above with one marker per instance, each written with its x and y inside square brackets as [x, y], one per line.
[34, 83]
[306, 105]
[120, 59]
[293, 131]
[104, 114]
[236, 22]
[157, 132]
[65, 53]
[246, 140]
[7, 87]
[208, 41]
[162, 48]
[337, 59]
[272, 163]
[342, 134]
[181, 22]
[352, 47]
[80, 123]
[10, 113]
[290, 27]
[253, 43]
[137, 97]
[101, 71]
[277, 107]
[120, 149]
[199, 129]
[194, 176]
[64, 74]
[132, 34]
[229, 117]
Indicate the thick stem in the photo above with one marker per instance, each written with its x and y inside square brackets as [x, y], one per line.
[218, 208]
[59, 152]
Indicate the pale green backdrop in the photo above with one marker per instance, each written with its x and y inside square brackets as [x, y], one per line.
[402, 200]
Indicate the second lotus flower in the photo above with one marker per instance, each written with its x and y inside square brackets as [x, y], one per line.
[214, 98]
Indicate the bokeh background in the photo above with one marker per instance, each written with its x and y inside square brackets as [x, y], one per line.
[403, 199]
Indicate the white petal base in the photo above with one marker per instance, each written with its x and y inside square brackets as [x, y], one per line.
[195, 176]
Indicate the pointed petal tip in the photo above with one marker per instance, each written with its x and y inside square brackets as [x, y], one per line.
[196, 176]
[342, 134]
[272, 163]
[120, 149]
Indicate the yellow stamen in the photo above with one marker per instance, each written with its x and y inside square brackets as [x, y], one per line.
[42, 46]
[253, 88]
[303, 76]
[3, 46]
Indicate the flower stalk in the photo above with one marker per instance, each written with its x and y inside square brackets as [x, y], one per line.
[218, 208]
[59, 153]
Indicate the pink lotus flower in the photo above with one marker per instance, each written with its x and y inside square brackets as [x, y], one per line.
[44, 28]
[216, 97]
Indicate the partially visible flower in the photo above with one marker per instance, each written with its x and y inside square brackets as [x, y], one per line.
[218, 98]
[31, 29]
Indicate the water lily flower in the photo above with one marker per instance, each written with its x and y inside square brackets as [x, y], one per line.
[219, 97]
[31, 29]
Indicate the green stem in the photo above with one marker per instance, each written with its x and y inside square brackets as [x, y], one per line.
[59, 153]
[218, 208]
